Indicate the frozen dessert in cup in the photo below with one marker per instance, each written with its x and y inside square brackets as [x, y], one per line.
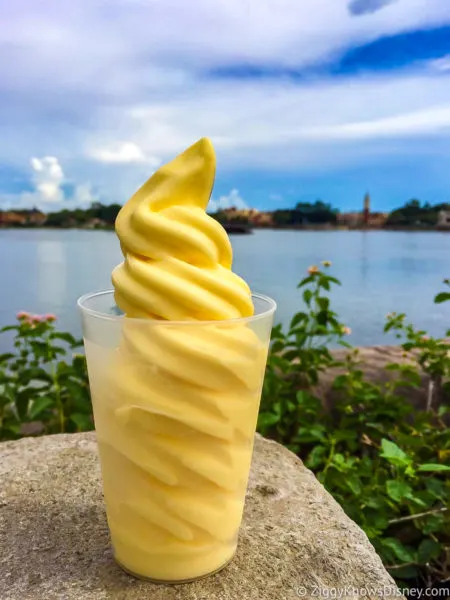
[176, 357]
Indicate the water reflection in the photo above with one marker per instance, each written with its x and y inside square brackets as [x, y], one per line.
[365, 256]
[51, 271]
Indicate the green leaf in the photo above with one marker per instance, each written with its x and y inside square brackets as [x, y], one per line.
[338, 459]
[35, 374]
[375, 502]
[392, 453]
[428, 550]
[307, 295]
[290, 355]
[354, 483]
[277, 346]
[298, 318]
[5, 357]
[277, 331]
[22, 401]
[324, 303]
[436, 487]
[402, 552]
[305, 281]
[9, 328]
[310, 434]
[340, 382]
[83, 422]
[432, 524]
[268, 419]
[405, 572]
[316, 457]
[442, 297]
[322, 317]
[66, 337]
[333, 280]
[41, 349]
[398, 490]
[39, 405]
[433, 467]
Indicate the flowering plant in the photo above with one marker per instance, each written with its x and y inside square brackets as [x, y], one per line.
[43, 385]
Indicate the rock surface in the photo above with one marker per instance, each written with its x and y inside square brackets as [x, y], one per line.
[373, 361]
[295, 541]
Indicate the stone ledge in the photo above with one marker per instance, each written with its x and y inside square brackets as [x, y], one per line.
[55, 545]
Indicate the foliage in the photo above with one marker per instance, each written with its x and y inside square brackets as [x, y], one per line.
[106, 214]
[306, 213]
[225, 218]
[416, 214]
[385, 463]
[43, 387]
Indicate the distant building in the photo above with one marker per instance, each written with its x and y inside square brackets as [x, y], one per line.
[444, 219]
[377, 220]
[365, 218]
[94, 223]
[366, 209]
[10, 218]
[262, 219]
[350, 219]
[35, 217]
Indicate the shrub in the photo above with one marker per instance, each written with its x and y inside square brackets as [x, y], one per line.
[43, 386]
[387, 464]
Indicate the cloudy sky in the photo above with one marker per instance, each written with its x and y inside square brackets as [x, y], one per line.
[304, 99]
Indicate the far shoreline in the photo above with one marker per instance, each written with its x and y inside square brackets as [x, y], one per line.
[232, 230]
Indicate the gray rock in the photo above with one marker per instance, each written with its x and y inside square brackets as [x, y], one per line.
[295, 541]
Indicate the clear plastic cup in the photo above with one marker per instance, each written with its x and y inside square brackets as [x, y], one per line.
[175, 409]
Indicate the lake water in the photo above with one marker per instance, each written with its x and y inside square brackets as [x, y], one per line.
[47, 270]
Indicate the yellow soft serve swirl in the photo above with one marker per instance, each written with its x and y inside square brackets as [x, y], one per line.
[177, 259]
[177, 404]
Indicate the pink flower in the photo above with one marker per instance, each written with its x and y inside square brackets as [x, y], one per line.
[33, 320]
[22, 315]
[313, 269]
[50, 317]
[346, 330]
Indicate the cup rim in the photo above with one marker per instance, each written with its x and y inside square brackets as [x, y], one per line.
[272, 306]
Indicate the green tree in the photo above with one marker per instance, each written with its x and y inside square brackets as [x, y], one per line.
[413, 213]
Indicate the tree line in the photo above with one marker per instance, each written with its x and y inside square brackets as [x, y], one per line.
[413, 213]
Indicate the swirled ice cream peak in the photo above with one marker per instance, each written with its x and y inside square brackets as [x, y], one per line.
[178, 259]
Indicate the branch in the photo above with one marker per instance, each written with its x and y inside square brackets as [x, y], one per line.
[418, 515]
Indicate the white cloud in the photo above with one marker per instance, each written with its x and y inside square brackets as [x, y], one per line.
[135, 91]
[425, 122]
[122, 152]
[48, 195]
[266, 124]
[276, 197]
[48, 177]
[83, 195]
[441, 64]
[232, 200]
[133, 47]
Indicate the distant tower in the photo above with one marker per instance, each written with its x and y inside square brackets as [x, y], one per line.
[366, 211]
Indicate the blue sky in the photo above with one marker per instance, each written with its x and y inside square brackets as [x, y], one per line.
[303, 99]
